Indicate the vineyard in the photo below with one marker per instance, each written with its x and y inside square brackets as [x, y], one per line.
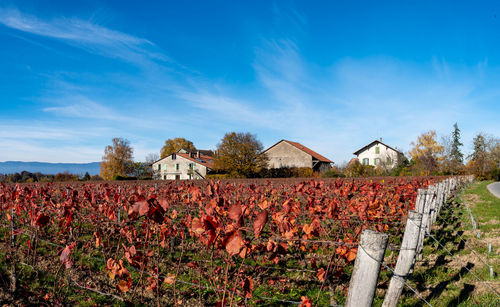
[240, 242]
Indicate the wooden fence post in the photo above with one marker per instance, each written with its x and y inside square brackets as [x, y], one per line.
[406, 259]
[432, 207]
[364, 277]
[119, 208]
[425, 220]
[420, 201]
[439, 201]
[13, 278]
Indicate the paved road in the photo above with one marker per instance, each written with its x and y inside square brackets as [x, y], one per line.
[494, 188]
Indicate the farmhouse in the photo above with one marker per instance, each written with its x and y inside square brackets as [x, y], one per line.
[292, 154]
[184, 165]
[379, 154]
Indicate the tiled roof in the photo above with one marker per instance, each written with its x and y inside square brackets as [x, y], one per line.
[374, 142]
[306, 150]
[204, 160]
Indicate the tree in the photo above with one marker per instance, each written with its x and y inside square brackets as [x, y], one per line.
[453, 159]
[141, 170]
[426, 153]
[117, 159]
[152, 158]
[174, 145]
[86, 177]
[239, 154]
[482, 161]
[455, 153]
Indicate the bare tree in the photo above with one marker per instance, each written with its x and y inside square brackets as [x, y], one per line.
[150, 159]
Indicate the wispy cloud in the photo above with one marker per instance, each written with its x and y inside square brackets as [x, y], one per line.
[86, 35]
[82, 107]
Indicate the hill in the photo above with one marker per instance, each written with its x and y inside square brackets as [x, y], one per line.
[10, 167]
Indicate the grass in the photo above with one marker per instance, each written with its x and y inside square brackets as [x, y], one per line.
[444, 280]
[486, 208]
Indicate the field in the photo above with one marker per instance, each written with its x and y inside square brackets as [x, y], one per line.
[242, 242]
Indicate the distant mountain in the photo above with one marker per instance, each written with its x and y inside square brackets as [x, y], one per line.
[10, 167]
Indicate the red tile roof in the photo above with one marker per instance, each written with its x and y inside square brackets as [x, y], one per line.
[306, 150]
[204, 160]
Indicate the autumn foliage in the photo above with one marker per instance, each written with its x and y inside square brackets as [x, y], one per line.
[229, 237]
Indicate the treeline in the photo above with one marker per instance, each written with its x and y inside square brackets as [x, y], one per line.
[429, 156]
[27, 177]
[239, 155]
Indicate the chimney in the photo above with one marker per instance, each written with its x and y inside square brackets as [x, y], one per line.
[198, 155]
[380, 140]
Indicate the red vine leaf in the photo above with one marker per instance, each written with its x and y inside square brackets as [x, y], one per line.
[234, 243]
[259, 223]
[321, 274]
[124, 285]
[197, 226]
[170, 279]
[351, 254]
[234, 212]
[64, 258]
[305, 302]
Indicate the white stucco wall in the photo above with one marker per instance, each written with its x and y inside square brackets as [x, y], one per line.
[168, 170]
[384, 152]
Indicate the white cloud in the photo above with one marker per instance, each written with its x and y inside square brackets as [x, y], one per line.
[86, 35]
[82, 107]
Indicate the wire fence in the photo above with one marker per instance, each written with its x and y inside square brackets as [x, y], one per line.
[393, 246]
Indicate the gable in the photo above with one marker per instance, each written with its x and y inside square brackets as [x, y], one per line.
[302, 148]
[375, 143]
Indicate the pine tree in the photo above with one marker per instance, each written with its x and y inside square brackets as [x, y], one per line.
[456, 154]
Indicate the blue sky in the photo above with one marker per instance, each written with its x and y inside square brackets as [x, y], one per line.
[332, 75]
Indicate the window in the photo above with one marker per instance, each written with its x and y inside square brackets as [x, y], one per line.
[389, 160]
[177, 167]
[377, 161]
[377, 150]
[159, 167]
[190, 165]
[164, 177]
[366, 161]
[174, 156]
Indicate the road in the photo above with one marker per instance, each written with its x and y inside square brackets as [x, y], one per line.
[494, 188]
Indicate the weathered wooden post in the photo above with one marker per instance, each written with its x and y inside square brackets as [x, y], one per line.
[439, 202]
[419, 202]
[425, 221]
[432, 207]
[406, 259]
[119, 208]
[13, 278]
[371, 250]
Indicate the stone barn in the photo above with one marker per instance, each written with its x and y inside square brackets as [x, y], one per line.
[292, 154]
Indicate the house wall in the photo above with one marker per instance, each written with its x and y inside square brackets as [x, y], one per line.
[287, 155]
[168, 168]
[384, 152]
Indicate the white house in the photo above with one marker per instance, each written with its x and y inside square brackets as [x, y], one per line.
[379, 154]
[183, 165]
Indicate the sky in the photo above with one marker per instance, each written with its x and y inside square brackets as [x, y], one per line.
[331, 75]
